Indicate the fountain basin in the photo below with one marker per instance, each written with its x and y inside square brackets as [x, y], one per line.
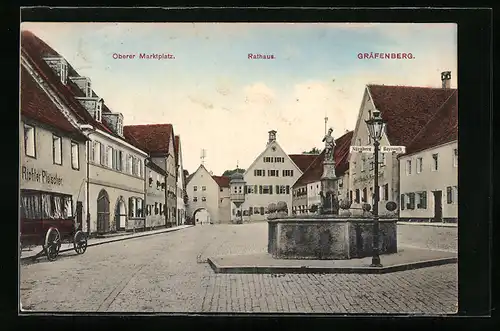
[326, 237]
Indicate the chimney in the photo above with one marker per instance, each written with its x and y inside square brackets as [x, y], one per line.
[446, 79]
[272, 136]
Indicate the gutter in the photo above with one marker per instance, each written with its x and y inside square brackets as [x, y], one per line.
[87, 131]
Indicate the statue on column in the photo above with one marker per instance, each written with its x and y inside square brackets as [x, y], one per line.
[329, 145]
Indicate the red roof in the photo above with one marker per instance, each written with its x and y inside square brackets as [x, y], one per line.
[34, 50]
[441, 129]
[314, 172]
[222, 181]
[36, 105]
[153, 138]
[407, 109]
[303, 161]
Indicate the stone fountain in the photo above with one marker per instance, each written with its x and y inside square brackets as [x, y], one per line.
[333, 233]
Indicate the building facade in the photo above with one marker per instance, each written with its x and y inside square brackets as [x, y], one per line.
[203, 192]
[429, 170]
[269, 179]
[224, 199]
[155, 195]
[406, 109]
[158, 141]
[181, 183]
[114, 189]
[52, 160]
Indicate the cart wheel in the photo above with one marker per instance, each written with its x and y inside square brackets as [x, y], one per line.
[52, 244]
[80, 242]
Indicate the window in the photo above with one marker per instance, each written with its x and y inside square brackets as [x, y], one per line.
[29, 140]
[203, 199]
[98, 111]
[89, 89]
[262, 212]
[449, 195]
[195, 188]
[75, 155]
[102, 155]
[122, 160]
[259, 172]
[419, 165]
[273, 173]
[97, 151]
[130, 168]
[139, 167]
[109, 156]
[287, 173]
[156, 208]
[203, 188]
[158, 183]
[357, 195]
[132, 207]
[408, 167]
[382, 159]
[57, 149]
[160, 209]
[267, 159]
[455, 157]
[341, 182]
[365, 195]
[371, 165]
[402, 203]
[422, 200]
[386, 192]
[411, 202]
[195, 199]
[435, 162]
[267, 189]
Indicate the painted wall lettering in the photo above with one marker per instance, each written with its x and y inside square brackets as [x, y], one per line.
[40, 176]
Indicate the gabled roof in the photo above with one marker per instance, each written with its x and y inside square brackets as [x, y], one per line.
[153, 166]
[440, 129]
[222, 181]
[303, 161]
[341, 155]
[407, 109]
[36, 105]
[154, 138]
[33, 49]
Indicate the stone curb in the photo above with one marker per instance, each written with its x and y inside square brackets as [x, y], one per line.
[324, 270]
[437, 225]
[117, 238]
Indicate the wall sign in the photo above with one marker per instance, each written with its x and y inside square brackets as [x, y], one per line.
[40, 176]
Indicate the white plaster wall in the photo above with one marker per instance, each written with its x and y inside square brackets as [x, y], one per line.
[203, 178]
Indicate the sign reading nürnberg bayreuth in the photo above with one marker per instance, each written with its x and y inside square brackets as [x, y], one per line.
[40, 176]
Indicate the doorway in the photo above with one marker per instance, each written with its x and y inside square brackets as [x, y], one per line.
[103, 212]
[438, 206]
[120, 215]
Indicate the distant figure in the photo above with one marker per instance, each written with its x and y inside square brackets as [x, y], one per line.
[329, 145]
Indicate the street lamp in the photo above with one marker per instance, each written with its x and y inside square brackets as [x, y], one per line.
[375, 128]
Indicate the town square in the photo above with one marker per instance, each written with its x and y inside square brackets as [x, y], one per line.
[267, 179]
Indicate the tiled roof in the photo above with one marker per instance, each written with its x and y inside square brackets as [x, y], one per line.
[314, 172]
[407, 109]
[153, 138]
[34, 50]
[222, 181]
[303, 161]
[36, 105]
[177, 142]
[441, 129]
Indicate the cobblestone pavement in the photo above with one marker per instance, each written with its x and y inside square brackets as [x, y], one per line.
[168, 273]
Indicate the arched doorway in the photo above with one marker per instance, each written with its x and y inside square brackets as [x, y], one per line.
[120, 214]
[201, 216]
[102, 212]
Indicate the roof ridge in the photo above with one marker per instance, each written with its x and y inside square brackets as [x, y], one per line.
[150, 124]
[422, 131]
[411, 86]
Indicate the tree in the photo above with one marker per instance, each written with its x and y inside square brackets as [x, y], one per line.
[230, 172]
[315, 151]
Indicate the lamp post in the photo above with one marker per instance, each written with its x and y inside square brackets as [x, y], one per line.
[375, 128]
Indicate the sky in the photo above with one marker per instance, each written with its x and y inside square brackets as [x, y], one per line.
[219, 100]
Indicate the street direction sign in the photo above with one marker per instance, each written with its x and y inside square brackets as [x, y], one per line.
[393, 149]
[362, 149]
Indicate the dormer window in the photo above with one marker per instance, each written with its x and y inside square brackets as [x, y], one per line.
[64, 72]
[88, 89]
[98, 111]
[119, 126]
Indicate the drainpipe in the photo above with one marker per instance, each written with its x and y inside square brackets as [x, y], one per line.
[87, 130]
[144, 202]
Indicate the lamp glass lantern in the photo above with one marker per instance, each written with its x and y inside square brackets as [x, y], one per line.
[375, 126]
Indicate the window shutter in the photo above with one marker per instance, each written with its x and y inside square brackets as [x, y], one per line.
[288, 189]
[103, 154]
[270, 189]
[402, 201]
[260, 189]
[262, 210]
[424, 200]
[130, 208]
[91, 152]
[250, 211]
[448, 195]
[278, 189]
